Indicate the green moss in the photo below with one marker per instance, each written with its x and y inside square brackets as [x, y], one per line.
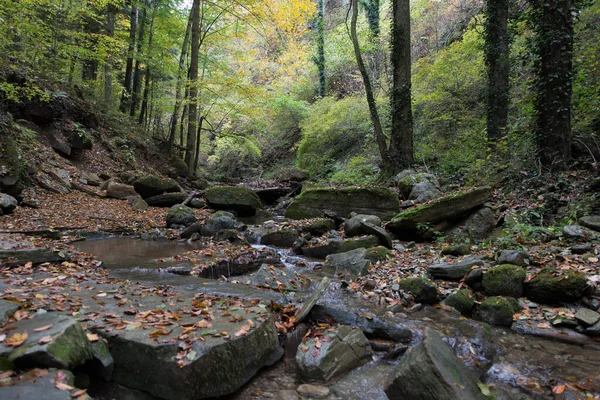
[181, 168]
[319, 227]
[5, 364]
[553, 286]
[378, 253]
[462, 301]
[353, 244]
[422, 289]
[151, 185]
[504, 280]
[498, 310]
[406, 184]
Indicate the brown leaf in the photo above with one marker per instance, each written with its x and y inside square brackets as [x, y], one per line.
[62, 386]
[92, 337]
[43, 328]
[78, 393]
[558, 389]
[20, 314]
[45, 340]
[16, 340]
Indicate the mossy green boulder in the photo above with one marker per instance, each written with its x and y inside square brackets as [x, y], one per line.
[378, 253]
[504, 280]
[181, 168]
[151, 185]
[311, 203]
[462, 301]
[498, 311]
[235, 198]
[406, 184]
[553, 287]
[12, 164]
[422, 289]
[180, 215]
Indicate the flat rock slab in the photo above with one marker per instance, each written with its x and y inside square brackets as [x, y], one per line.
[587, 317]
[455, 271]
[312, 300]
[351, 263]
[380, 233]
[7, 308]
[39, 384]
[239, 199]
[322, 250]
[279, 278]
[167, 199]
[311, 203]
[35, 256]
[591, 221]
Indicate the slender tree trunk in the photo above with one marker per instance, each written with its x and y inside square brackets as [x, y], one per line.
[108, 81]
[496, 58]
[148, 75]
[127, 83]
[372, 10]
[401, 137]
[173, 126]
[193, 81]
[379, 136]
[320, 58]
[197, 156]
[137, 74]
[91, 27]
[554, 85]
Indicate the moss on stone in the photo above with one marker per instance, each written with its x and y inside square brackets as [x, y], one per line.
[406, 184]
[462, 301]
[504, 280]
[422, 289]
[152, 185]
[353, 244]
[378, 253]
[319, 227]
[498, 311]
[181, 168]
[240, 199]
[552, 287]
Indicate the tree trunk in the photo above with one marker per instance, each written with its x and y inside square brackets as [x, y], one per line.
[127, 83]
[401, 137]
[554, 37]
[193, 81]
[320, 59]
[173, 126]
[144, 107]
[137, 74]
[197, 156]
[379, 136]
[110, 32]
[497, 62]
[372, 10]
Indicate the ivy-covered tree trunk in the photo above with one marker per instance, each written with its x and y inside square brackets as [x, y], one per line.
[497, 62]
[400, 150]
[553, 24]
[127, 83]
[108, 81]
[192, 107]
[372, 11]
[137, 73]
[320, 58]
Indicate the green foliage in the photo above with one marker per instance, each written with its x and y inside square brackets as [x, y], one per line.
[234, 155]
[358, 171]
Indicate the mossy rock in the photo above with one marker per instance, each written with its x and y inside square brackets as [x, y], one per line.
[504, 280]
[236, 198]
[340, 246]
[422, 289]
[406, 184]
[498, 311]
[181, 168]
[151, 185]
[12, 165]
[81, 139]
[553, 287]
[319, 227]
[462, 301]
[180, 215]
[378, 253]
[311, 203]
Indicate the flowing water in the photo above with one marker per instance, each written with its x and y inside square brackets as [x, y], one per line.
[517, 366]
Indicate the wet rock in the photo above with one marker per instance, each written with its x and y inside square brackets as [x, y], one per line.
[384, 237]
[36, 256]
[102, 363]
[422, 289]
[590, 221]
[378, 253]
[187, 233]
[564, 322]
[293, 339]
[7, 203]
[180, 215]
[278, 278]
[152, 185]
[311, 203]
[7, 309]
[552, 287]
[243, 263]
[559, 335]
[455, 271]
[298, 245]
[514, 257]
[407, 180]
[504, 280]
[474, 279]
[340, 351]
[319, 227]
[456, 251]
[230, 235]
[312, 300]
[91, 179]
[587, 317]
[477, 226]
[239, 199]
[353, 226]
[39, 384]
[137, 203]
[287, 395]
[431, 371]
[498, 311]
[349, 264]
[167, 199]
[313, 391]
[462, 301]
[593, 331]
[218, 222]
[280, 238]
[582, 248]
[68, 348]
[578, 232]
[339, 246]
[119, 190]
[407, 222]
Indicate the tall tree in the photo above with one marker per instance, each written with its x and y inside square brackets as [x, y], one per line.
[320, 57]
[553, 24]
[498, 67]
[110, 32]
[137, 72]
[193, 99]
[127, 83]
[148, 75]
[372, 10]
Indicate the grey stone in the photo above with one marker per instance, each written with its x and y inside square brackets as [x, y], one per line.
[514, 257]
[91, 179]
[61, 176]
[239, 199]
[180, 215]
[313, 391]
[119, 190]
[455, 251]
[421, 289]
[36, 256]
[197, 203]
[424, 191]
[137, 203]
[474, 279]
[582, 248]
[455, 271]
[68, 348]
[187, 233]
[151, 185]
[7, 309]
[498, 311]
[431, 371]
[593, 331]
[7, 203]
[590, 221]
[312, 300]
[39, 385]
[278, 278]
[578, 232]
[353, 227]
[345, 349]
[319, 227]
[475, 227]
[214, 224]
[102, 363]
[339, 246]
[384, 237]
[280, 238]
[167, 199]
[406, 181]
[587, 317]
[351, 263]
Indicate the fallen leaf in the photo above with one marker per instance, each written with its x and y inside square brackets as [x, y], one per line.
[558, 389]
[16, 340]
[43, 328]
[45, 340]
[62, 386]
[92, 337]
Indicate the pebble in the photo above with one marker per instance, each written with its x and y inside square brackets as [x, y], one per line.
[316, 391]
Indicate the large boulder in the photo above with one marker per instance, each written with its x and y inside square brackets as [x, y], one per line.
[220, 221]
[339, 246]
[119, 190]
[431, 371]
[553, 287]
[447, 208]
[375, 230]
[455, 271]
[7, 203]
[311, 203]
[349, 264]
[407, 180]
[62, 344]
[462, 301]
[151, 185]
[180, 215]
[12, 163]
[475, 227]
[279, 238]
[319, 227]
[591, 221]
[424, 191]
[353, 226]
[236, 198]
[167, 199]
[332, 354]
[514, 257]
[498, 311]
[421, 289]
[504, 280]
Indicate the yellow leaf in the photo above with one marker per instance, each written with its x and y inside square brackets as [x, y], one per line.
[92, 337]
[16, 340]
